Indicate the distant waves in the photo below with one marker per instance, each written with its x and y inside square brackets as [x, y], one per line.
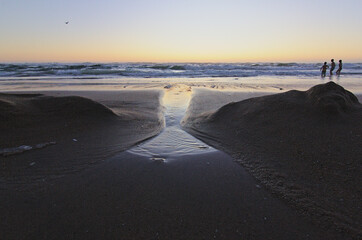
[157, 70]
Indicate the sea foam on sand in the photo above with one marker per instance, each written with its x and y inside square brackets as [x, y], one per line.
[303, 145]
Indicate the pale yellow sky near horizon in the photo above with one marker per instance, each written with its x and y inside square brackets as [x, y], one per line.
[173, 31]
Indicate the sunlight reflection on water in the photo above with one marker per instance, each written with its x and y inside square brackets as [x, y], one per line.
[173, 142]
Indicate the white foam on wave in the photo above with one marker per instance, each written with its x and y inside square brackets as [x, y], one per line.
[171, 69]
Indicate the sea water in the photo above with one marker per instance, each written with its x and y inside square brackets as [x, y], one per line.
[172, 142]
[156, 70]
[104, 76]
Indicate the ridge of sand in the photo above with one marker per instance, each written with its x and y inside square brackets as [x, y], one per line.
[304, 146]
[73, 131]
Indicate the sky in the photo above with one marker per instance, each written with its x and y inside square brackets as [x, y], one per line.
[180, 30]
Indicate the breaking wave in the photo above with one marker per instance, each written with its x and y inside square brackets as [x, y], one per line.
[146, 70]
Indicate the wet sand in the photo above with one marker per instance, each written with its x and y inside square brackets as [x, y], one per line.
[197, 197]
[204, 196]
[81, 131]
[305, 147]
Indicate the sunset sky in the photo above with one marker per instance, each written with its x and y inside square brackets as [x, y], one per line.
[180, 31]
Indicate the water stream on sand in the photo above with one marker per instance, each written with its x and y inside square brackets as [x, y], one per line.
[172, 142]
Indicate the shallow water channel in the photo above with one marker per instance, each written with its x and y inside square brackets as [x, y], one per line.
[172, 142]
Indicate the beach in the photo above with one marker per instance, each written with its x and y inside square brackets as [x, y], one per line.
[304, 146]
[180, 120]
[73, 131]
[98, 163]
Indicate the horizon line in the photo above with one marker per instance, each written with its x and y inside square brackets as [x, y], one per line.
[170, 62]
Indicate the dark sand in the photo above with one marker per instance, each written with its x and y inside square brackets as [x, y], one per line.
[76, 191]
[84, 131]
[130, 197]
[303, 146]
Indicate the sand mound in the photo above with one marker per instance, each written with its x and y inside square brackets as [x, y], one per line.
[303, 145]
[14, 108]
[319, 102]
[45, 136]
[332, 98]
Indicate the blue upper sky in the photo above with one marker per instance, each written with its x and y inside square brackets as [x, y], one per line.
[188, 30]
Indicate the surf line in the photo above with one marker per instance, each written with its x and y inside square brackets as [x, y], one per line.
[173, 142]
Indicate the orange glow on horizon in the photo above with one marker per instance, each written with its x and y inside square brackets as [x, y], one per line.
[182, 31]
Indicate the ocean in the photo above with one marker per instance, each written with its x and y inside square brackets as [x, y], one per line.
[109, 70]
[28, 75]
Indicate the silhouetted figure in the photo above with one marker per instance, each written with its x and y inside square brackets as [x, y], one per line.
[324, 69]
[339, 68]
[333, 66]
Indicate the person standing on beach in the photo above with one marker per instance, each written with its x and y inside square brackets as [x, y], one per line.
[324, 69]
[339, 67]
[333, 65]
